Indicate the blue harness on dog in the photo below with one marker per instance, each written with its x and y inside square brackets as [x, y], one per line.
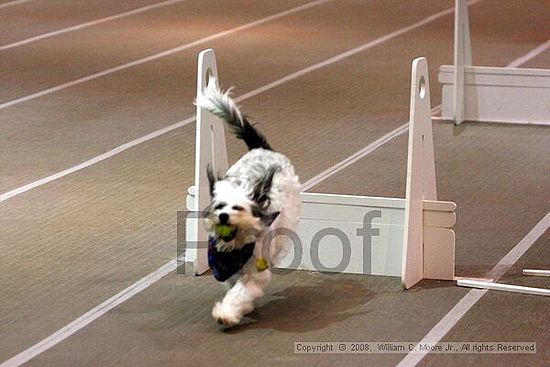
[226, 263]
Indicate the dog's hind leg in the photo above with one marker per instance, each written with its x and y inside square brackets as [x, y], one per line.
[239, 300]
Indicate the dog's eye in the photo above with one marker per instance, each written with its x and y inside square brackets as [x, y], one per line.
[219, 206]
[238, 208]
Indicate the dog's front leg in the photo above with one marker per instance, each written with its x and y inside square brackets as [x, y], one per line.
[239, 300]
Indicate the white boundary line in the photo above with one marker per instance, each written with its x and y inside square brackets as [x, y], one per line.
[470, 299]
[123, 147]
[515, 254]
[90, 316]
[12, 3]
[88, 24]
[354, 51]
[91, 162]
[360, 154]
[159, 55]
[530, 55]
[355, 157]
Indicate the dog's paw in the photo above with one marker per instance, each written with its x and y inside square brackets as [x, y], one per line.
[225, 316]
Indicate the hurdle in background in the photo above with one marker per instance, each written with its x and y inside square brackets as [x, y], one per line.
[412, 237]
[493, 94]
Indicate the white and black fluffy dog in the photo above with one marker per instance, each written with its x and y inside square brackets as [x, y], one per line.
[258, 194]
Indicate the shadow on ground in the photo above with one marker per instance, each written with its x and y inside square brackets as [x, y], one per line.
[299, 309]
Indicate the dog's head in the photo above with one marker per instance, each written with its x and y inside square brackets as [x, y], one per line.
[245, 210]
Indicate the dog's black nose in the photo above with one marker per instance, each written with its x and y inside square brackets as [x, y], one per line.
[224, 218]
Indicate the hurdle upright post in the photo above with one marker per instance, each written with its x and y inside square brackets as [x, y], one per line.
[429, 238]
[462, 57]
[420, 173]
[210, 149]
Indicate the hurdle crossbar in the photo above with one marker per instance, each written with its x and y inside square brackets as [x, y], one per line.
[409, 237]
[536, 272]
[503, 287]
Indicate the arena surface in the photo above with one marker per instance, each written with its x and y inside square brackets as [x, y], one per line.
[79, 79]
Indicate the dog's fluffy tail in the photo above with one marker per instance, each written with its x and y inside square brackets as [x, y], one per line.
[222, 105]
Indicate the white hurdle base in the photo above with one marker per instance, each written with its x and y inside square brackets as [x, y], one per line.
[411, 237]
[493, 94]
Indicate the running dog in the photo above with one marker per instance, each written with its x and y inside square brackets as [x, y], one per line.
[255, 203]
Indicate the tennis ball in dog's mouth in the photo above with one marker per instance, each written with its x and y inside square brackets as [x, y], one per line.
[224, 230]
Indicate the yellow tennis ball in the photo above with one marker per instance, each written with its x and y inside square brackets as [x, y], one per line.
[224, 230]
[261, 263]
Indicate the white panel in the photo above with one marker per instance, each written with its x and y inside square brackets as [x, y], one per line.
[385, 247]
[439, 219]
[500, 94]
[439, 253]
[436, 205]
[498, 76]
[346, 212]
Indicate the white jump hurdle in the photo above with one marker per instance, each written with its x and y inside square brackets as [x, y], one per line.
[495, 94]
[411, 237]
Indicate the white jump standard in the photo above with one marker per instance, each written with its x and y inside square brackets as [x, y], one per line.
[411, 237]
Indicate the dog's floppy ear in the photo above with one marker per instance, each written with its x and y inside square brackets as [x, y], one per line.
[269, 218]
[211, 179]
[266, 218]
[260, 195]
